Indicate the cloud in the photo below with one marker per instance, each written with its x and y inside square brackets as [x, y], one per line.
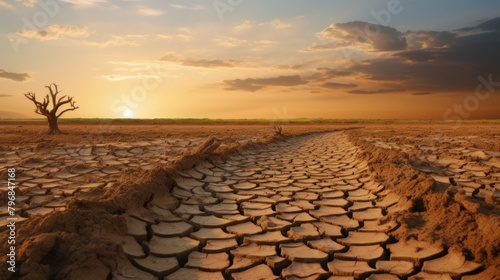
[290, 67]
[180, 37]
[262, 44]
[164, 36]
[244, 26]
[185, 34]
[229, 41]
[18, 77]
[431, 61]
[279, 24]
[325, 46]
[182, 34]
[186, 7]
[331, 85]
[388, 69]
[205, 63]
[454, 68]
[5, 95]
[330, 72]
[114, 41]
[266, 42]
[254, 84]
[324, 73]
[378, 91]
[372, 36]
[149, 11]
[484, 26]
[55, 32]
[416, 55]
[85, 3]
[429, 39]
[118, 77]
[6, 5]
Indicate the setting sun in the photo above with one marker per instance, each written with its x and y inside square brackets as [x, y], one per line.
[128, 114]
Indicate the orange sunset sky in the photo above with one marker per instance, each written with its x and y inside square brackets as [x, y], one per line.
[253, 58]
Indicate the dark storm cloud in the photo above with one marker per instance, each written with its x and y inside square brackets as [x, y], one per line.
[18, 77]
[254, 84]
[442, 63]
[487, 25]
[205, 63]
[415, 62]
[420, 76]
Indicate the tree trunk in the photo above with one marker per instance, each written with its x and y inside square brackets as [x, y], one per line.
[53, 126]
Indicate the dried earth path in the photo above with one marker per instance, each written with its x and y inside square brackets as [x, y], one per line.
[304, 208]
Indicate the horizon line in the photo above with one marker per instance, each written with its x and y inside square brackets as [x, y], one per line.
[251, 119]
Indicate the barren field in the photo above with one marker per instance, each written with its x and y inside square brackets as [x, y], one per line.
[233, 200]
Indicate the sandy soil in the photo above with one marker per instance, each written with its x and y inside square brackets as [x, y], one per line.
[413, 159]
[439, 211]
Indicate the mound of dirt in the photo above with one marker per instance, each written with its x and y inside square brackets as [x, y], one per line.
[434, 212]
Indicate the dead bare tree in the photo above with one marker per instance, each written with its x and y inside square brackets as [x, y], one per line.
[278, 131]
[51, 114]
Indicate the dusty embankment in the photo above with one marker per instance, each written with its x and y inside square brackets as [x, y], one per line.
[435, 211]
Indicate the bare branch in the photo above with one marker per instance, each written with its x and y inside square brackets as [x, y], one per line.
[73, 107]
[41, 108]
[53, 95]
[30, 95]
[61, 98]
[60, 103]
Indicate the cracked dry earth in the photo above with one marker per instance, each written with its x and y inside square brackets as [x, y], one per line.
[304, 208]
[49, 179]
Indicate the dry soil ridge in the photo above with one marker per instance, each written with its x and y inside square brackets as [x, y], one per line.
[434, 214]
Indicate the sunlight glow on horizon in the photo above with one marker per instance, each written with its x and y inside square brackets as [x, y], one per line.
[128, 114]
[315, 58]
